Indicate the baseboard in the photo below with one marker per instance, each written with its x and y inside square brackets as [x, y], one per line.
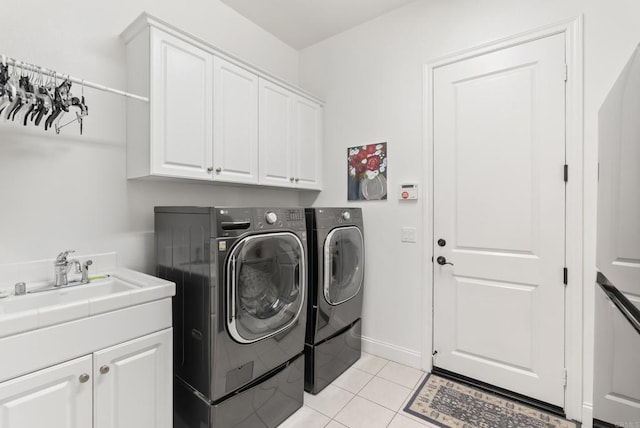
[587, 415]
[408, 357]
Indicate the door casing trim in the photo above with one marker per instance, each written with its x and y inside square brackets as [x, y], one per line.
[574, 253]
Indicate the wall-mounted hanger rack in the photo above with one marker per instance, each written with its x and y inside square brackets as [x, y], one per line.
[30, 92]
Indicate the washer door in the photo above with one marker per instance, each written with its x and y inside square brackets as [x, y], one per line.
[265, 285]
[343, 264]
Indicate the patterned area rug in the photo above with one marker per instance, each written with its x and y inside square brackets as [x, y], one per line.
[451, 404]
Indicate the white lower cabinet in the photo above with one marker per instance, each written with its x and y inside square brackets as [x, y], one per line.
[55, 397]
[125, 386]
[133, 383]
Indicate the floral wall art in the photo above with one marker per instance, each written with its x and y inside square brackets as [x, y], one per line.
[367, 172]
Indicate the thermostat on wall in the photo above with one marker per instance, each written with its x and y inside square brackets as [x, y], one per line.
[408, 191]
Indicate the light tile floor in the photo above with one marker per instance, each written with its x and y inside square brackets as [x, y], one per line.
[370, 394]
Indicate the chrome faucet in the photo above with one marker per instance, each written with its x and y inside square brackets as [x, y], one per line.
[62, 266]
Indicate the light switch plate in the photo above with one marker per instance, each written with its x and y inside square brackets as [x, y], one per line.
[408, 234]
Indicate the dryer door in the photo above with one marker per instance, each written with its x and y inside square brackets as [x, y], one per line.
[343, 264]
[265, 285]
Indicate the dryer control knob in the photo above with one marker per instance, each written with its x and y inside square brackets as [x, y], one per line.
[270, 217]
[346, 215]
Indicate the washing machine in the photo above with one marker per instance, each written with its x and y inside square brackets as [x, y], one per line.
[336, 281]
[239, 312]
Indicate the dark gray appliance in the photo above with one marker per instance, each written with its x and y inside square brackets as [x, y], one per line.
[336, 279]
[616, 387]
[239, 312]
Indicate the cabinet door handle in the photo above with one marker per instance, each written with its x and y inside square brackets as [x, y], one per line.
[104, 369]
[83, 378]
[210, 169]
[291, 179]
[297, 179]
[218, 170]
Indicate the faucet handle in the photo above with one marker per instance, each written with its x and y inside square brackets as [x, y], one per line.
[62, 257]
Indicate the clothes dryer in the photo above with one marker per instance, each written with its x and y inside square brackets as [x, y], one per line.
[239, 312]
[336, 281]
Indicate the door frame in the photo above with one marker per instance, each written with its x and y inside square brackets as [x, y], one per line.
[574, 246]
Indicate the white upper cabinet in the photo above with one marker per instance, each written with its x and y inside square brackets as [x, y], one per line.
[276, 135]
[181, 108]
[290, 138]
[307, 137]
[172, 135]
[213, 117]
[235, 123]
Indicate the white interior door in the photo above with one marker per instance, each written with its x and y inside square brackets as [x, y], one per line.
[616, 384]
[499, 203]
[618, 181]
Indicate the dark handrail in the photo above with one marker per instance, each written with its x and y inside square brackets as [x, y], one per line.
[628, 309]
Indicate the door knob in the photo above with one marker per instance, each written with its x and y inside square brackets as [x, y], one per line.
[83, 378]
[104, 369]
[443, 261]
[442, 242]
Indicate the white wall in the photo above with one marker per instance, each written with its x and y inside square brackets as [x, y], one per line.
[372, 80]
[65, 191]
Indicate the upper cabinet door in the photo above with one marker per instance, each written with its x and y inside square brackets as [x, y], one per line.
[276, 135]
[181, 108]
[55, 397]
[235, 119]
[307, 125]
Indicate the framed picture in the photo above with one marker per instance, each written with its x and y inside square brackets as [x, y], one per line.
[367, 172]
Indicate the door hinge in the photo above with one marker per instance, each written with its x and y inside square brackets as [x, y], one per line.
[565, 278]
[566, 172]
[566, 72]
[564, 378]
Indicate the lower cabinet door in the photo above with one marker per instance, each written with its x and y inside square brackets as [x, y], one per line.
[133, 383]
[55, 397]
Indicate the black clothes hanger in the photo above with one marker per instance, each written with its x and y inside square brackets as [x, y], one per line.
[61, 103]
[25, 96]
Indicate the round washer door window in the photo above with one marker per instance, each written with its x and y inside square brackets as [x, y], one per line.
[266, 285]
[343, 264]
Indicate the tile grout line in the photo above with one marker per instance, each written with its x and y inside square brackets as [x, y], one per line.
[355, 394]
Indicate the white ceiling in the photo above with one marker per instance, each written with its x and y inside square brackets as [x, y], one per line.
[302, 23]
